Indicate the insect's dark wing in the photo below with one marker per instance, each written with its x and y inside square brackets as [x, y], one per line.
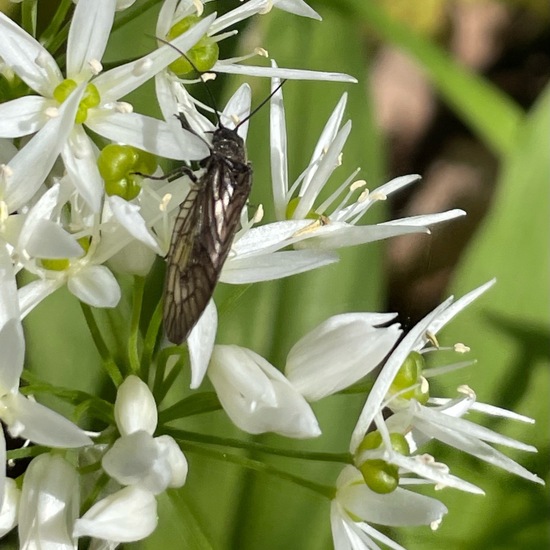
[202, 237]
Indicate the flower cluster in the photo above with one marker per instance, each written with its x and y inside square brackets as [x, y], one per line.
[83, 202]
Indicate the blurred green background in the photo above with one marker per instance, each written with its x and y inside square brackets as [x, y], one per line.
[458, 91]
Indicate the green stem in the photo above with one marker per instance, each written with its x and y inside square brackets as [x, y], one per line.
[261, 467]
[108, 362]
[52, 30]
[160, 370]
[133, 340]
[150, 340]
[184, 436]
[26, 452]
[28, 16]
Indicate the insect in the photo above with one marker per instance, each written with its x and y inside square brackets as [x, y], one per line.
[204, 230]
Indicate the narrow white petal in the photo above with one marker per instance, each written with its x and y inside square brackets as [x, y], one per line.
[125, 516]
[20, 51]
[387, 375]
[34, 292]
[129, 216]
[328, 135]
[428, 219]
[166, 17]
[279, 155]
[340, 235]
[96, 286]
[118, 82]
[148, 134]
[43, 426]
[135, 407]
[49, 504]
[9, 307]
[12, 344]
[79, 156]
[201, 342]
[288, 74]
[90, 28]
[297, 7]
[50, 240]
[238, 109]
[33, 162]
[23, 116]
[275, 266]
[326, 167]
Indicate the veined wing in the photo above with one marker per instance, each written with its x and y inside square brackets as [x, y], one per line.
[202, 237]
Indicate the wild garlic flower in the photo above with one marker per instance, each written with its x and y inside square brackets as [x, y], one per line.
[334, 223]
[100, 109]
[355, 506]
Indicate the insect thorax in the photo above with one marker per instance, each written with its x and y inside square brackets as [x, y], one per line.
[228, 144]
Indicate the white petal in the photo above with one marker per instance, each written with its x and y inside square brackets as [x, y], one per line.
[41, 425]
[96, 286]
[9, 307]
[49, 504]
[257, 397]
[3, 477]
[79, 156]
[175, 460]
[50, 240]
[12, 344]
[399, 508]
[238, 109]
[33, 293]
[324, 170]
[135, 407]
[387, 375]
[20, 51]
[328, 135]
[23, 116]
[338, 353]
[88, 35]
[339, 235]
[125, 516]
[129, 216]
[288, 74]
[201, 342]
[428, 219]
[298, 7]
[279, 154]
[33, 162]
[275, 266]
[136, 459]
[148, 134]
[118, 82]
[134, 259]
[10, 507]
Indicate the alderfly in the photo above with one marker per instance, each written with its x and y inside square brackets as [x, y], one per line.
[204, 229]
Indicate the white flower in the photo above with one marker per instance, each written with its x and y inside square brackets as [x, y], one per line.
[337, 217]
[137, 458]
[355, 505]
[257, 397]
[339, 352]
[49, 504]
[100, 111]
[23, 416]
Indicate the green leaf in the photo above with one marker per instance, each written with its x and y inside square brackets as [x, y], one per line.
[508, 330]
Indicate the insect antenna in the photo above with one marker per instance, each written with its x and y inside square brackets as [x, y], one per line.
[258, 107]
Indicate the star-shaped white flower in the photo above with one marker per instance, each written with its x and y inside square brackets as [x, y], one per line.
[336, 220]
[100, 109]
